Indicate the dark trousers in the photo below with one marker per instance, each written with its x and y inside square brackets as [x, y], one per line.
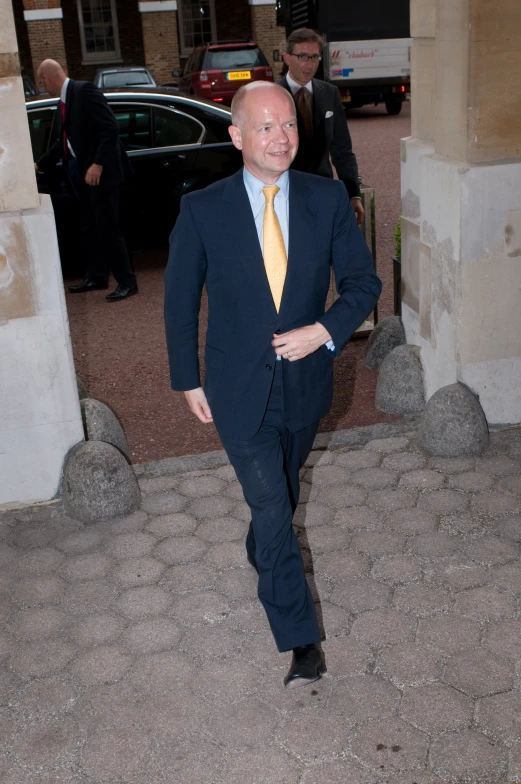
[101, 236]
[267, 466]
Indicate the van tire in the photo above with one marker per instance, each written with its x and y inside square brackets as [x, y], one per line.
[393, 107]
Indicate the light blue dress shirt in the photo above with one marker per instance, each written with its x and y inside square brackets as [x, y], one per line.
[281, 204]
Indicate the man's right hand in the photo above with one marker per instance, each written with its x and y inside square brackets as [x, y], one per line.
[36, 169]
[198, 404]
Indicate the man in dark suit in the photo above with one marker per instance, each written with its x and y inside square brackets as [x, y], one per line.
[263, 242]
[96, 164]
[322, 125]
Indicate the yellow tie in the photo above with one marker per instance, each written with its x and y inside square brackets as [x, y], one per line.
[275, 258]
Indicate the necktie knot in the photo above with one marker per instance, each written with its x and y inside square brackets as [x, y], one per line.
[270, 191]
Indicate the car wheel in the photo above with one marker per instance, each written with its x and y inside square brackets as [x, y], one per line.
[393, 107]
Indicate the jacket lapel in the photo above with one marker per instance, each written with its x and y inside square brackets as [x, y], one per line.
[240, 227]
[318, 104]
[302, 220]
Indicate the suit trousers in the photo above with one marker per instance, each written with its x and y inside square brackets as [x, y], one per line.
[100, 233]
[267, 466]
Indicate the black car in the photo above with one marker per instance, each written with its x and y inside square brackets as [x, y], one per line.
[176, 144]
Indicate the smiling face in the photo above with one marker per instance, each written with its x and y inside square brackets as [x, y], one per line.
[302, 72]
[267, 134]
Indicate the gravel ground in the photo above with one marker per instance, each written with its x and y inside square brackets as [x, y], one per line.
[119, 349]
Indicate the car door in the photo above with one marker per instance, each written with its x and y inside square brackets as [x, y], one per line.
[162, 144]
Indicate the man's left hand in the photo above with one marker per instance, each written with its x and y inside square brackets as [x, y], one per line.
[298, 343]
[93, 174]
[359, 210]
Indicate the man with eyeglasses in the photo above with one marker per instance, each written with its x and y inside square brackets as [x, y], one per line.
[323, 133]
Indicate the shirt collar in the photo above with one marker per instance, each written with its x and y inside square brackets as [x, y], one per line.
[63, 93]
[254, 186]
[295, 87]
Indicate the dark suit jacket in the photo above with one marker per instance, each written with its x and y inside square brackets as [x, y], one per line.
[215, 242]
[330, 137]
[93, 132]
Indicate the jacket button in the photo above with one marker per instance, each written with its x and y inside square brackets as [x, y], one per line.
[268, 367]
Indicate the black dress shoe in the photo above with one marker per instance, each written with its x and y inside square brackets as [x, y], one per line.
[308, 665]
[87, 285]
[122, 292]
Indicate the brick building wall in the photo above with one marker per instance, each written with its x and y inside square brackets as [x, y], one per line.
[130, 37]
[268, 34]
[46, 40]
[161, 44]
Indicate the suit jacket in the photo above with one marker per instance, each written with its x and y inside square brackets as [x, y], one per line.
[93, 132]
[215, 242]
[331, 137]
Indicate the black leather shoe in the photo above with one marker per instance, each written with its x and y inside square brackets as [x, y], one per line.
[308, 665]
[251, 561]
[122, 292]
[87, 285]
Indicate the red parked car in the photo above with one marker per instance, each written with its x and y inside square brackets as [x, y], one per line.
[217, 70]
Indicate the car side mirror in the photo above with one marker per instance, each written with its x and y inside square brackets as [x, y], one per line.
[276, 56]
[176, 74]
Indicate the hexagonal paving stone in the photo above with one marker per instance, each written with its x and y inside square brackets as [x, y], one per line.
[495, 503]
[332, 619]
[443, 501]
[45, 657]
[361, 697]
[40, 561]
[374, 478]
[497, 465]
[340, 566]
[138, 571]
[224, 529]
[390, 745]
[226, 680]
[436, 708]
[46, 589]
[197, 608]
[103, 664]
[358, 517]
[412, 521]
[392, 499]
[327, 476]
[478, 673]
[471, 482]
[38, 623]
[500, 716]
[151, 635]
[449, 633]
[383, 627]
[133, 545]
[456, 573]
[485, 604]
[175, 524]
[424, 479]
[326, 539]
[180, 549]
[89, 597]
[504, 639]
[262, 766]
[509, 527]
[298, 734]
[211, 506]
[238, 583]
[198, 487]
[43, 697]
[116, 753]
[319, 457]
[188, 577]
[347, 656]
[164, 503]
[434, 545]
[342, 496]
[421, 599]
[97, 629]
[79, 542]
[356, 459]
[468, 756]
[453, 465]
[126, 525]
[145, 600]
[376, 543]
[361, 593]
[396, 569]
[88, 566]
[158, 484]
[511, 484]
[490, 550]
[506, 577]
[244, 724]
[228, 555]
[50, 743]
[409, 664]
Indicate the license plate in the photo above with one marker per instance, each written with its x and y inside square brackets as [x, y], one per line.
[345, 98]
[234, 76]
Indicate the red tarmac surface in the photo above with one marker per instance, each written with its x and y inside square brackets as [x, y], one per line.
[119, 348]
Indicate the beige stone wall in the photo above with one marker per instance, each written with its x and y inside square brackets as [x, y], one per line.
[269, 36]
[161, 44]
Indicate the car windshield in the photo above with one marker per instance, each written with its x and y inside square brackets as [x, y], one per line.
[225, 59]
[124, 78]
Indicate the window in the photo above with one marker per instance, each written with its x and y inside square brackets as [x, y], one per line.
[40, 126]
[173, 128]
[134, 126]
[225, 59]
[98, 30]
[126, 79]
[197, 23]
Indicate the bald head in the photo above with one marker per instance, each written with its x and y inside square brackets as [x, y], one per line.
[52, 76]
[256, 93]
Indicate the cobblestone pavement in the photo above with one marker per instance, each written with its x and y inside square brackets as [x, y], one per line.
[135, 651]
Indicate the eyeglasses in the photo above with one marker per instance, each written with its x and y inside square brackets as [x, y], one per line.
[303, 58]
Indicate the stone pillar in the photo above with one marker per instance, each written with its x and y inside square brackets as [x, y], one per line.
[39, 409]
[266, 32]
[45, 31]
[160, 37]
[461, 198]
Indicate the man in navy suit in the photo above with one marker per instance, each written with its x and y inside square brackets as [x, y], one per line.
[270, 343]
[96, 164]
